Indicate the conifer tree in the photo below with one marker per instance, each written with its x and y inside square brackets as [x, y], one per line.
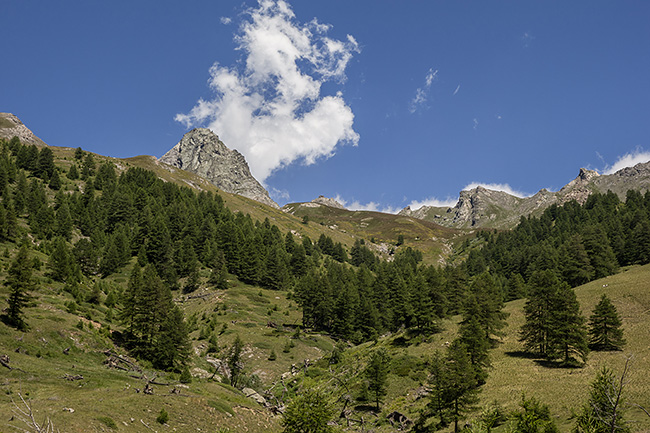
[73, 172]
[462, 384]
[472, 335]
[20, 281]
[376, 372]
[554, 326]
[604, 412]
[235, 362]
[605, 331]
[61, 263]
[535, 333]
[576, 266]
[568, 338]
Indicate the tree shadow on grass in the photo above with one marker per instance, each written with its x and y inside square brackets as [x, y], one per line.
[556, 364]
[366, 408]
[522, 354]
[539, 360]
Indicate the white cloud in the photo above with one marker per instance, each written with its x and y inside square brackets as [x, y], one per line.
[433, 202]
[497, 187]
[279, 194]
[475, 121]
[371, 206]
[628, 160]
[457, 89]
[422, 93]
[226, 20]
[271, 108]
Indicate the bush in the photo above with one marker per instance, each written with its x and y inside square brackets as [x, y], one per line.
[186, 377]
[163, 417]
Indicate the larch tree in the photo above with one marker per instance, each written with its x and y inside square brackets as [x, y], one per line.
[19, 281]
[605, 331]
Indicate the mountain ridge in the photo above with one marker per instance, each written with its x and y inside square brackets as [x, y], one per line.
[11, 125]
[484, 208]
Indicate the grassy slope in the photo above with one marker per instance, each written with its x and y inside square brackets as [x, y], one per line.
[564, 390]
[432, 239]
[104, 392]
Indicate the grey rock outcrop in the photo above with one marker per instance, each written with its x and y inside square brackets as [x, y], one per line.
[11, 126]
[201, 152]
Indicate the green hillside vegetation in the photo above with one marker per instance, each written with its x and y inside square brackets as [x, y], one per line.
[433, 240]
[159, 303]
[512, 373]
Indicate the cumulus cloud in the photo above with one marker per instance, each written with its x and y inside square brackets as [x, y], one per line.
[422, 93]
[270, 106]
[628, 160]
[433, 202]
[497, 187]
[226, 20]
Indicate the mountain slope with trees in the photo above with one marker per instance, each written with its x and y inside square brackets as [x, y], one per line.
[113, 275]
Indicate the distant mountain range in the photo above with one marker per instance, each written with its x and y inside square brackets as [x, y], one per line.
[201, 152]
[481, 207]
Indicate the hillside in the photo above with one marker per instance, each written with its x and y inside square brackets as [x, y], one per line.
[435, 241]
[564, 390]
[143, 279]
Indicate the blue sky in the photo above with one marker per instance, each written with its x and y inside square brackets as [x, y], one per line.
[379, 103]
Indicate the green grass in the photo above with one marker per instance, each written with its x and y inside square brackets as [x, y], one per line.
[511, 374]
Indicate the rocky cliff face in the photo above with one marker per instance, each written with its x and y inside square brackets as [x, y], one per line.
[481, 207]
[11, 126]
[201, 152]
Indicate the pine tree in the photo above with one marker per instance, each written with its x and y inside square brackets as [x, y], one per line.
[235, 362]
[73, 173]
[61, 261]
[462, 385]
[172, 345]
[20, 281]
[376, 372]
[535, 417]
[605, 327]
[535, 333]
[568, 337]
[472, 335]
[604, 411]
[576, 266]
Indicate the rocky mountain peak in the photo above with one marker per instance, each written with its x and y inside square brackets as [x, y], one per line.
[11, 126]
[587, 175]
[200, 151]
[328, 202]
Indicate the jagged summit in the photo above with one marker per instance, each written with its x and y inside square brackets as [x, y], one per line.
[200, 151]
[11, 126]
